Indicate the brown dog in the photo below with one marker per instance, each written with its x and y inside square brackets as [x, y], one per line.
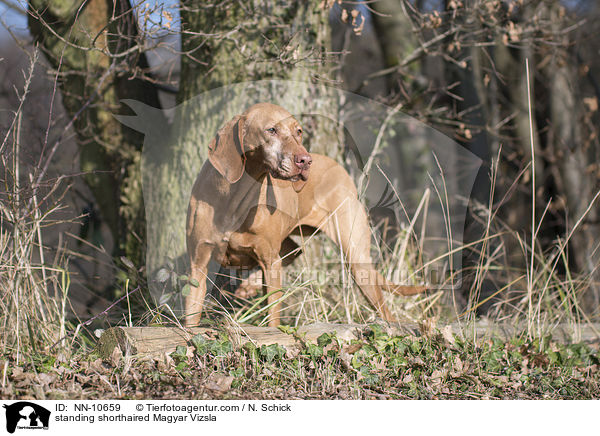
[255, 191]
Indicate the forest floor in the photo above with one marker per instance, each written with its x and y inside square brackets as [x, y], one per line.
[376, 366]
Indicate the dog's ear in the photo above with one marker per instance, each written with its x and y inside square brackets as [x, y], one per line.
[226, 150]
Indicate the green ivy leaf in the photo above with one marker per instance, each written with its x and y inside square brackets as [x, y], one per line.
[270, 352]
[221, 347]
[237, 372]
[314, 351]
[324, 340]
[180, 353]
[201, 344]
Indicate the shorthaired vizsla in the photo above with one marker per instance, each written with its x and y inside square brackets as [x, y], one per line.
[255, 190]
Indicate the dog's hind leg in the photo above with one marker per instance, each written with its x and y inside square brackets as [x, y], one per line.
[253, 283]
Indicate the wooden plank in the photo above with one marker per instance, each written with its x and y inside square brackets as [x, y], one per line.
[158, 341]
[145, 341]
[562, 333]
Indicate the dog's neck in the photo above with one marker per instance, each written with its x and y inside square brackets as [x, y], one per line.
[235, 200]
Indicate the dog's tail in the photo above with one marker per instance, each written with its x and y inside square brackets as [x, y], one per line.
[368, 278]
[402, 289]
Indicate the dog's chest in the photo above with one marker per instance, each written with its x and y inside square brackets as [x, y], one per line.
[267, 223]
[276, 211]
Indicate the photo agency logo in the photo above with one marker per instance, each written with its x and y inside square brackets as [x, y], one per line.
[412, 182]
[25, 415]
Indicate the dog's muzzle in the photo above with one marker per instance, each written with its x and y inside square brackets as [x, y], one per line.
[303, 162]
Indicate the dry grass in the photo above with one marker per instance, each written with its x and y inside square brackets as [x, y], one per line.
[34, 290]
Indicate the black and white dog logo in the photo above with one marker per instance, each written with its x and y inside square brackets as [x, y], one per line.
[26, 415]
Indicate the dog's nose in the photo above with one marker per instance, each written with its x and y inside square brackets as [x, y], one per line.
[302, 161]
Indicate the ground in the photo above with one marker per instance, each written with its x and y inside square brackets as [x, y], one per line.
[377, 366]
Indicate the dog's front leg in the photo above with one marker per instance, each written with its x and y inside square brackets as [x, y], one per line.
[273, 282]
[194, 302]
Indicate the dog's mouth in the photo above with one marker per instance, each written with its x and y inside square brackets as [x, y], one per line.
[285, 171]
[302, 175]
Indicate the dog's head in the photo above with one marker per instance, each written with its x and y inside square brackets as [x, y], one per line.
[264, 139]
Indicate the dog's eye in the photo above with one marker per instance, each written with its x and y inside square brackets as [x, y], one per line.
[272, 130]
[299, 132]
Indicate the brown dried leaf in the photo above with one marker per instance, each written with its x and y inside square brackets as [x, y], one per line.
[17, 373]
[514, 31]
[219, 382]
[346, 359]
[437, 376]
[291, 352]
[358, 29]
[116, 356]
[45, 378]
[353, 348]
[327, 4]
[344, 15]
[447, 334]
[591, 103]
[457, 368]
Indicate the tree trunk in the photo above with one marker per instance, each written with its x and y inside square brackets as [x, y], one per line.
[85, 42]
[396, 37]
[571, 159]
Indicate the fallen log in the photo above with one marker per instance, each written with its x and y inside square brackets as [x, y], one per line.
[153, 342]
[561, 333]
[158, 341]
